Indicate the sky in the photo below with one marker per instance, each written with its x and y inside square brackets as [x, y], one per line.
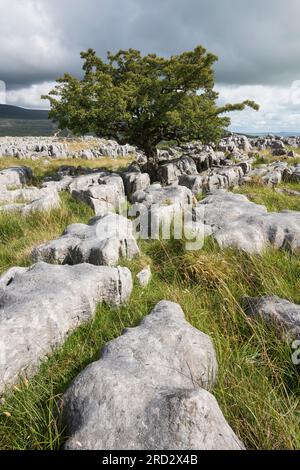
[257, 42]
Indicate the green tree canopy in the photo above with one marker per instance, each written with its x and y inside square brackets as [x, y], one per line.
[143, 100]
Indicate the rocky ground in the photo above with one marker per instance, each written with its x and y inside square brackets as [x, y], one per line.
[206, 357]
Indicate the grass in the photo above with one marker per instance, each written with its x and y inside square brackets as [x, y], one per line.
[265, 157]
[18, 235]
[257, 387]
[44, 167]
[266, 195]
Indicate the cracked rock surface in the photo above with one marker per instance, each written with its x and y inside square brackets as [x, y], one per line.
[155, 377]
[103, 241]
[235, 222]
[40, 305]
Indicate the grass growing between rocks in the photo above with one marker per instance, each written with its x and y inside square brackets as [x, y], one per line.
[44, 167]
[257, 387]
[266, 157]
[274, 201]
[19, 235]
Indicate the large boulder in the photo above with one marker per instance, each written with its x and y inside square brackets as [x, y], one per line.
[276, 312]
[157, 208]
[238, 223]
[194, 182]
[103, 241]
[102, 191]
[168, 173]
[149, 391]
[42, 304]
[135, 181]
[168, 195]
[15, 177]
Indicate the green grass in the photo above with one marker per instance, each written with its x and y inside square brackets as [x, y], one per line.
[18, 235]
[257, 387]
[265, 157]
[47, 167]
[266, 195]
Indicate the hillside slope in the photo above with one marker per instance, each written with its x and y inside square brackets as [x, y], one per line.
[15, 121]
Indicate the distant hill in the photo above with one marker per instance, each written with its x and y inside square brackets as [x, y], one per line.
[15, 121]
[14, 112]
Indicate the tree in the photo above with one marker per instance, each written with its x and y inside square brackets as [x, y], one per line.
[143, 100]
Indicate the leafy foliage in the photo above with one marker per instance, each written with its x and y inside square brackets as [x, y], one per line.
[143, 100]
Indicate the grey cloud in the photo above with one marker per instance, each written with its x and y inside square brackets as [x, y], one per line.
[257, 41]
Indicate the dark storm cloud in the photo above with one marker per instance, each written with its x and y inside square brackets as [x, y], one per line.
[258, 42]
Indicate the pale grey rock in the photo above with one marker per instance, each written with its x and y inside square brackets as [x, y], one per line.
[35, 200]
[193, 182]
[238, 223]
[40, 305]
[88, 148]
[144, 277]
[102, 191]
[276, 312]
[169, 173]
[168, 195]
[48, 201]
[102, 242]
[157, 208]
[135, 181]
[59, 185]
[15, 177]
[148, 391]
[16, 197]
[235, 143]
[9, 275]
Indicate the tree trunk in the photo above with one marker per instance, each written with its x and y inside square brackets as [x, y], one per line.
[152, 162]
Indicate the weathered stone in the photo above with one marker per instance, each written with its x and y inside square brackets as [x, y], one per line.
[169, 173]
[86, 147]
[153, 377]
[15, 177]
[159, 206]
[144, 277]
[102, 242]
[135, 181]
[59, 185]
[103, 191]
[238, 223]
[276, 312]
[168, 195]
[40, 305]
[193, 182]
[42, 200]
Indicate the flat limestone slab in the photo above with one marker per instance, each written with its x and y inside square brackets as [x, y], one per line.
[40, 305]
[236, 222]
